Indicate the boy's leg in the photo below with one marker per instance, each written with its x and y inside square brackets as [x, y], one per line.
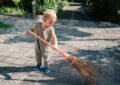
[46, 64]
[46, 60]
[38, 59]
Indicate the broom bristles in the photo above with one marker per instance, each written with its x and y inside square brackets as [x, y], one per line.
[87, 69]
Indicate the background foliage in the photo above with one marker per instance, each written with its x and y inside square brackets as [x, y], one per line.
[25, 6]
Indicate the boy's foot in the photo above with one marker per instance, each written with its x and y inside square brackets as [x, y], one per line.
[46, 70]
[36, 68]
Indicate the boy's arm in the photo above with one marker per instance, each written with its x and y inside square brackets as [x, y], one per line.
[32, 29]
[54, 38]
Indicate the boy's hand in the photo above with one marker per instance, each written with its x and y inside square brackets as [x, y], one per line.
[55, 46]
[31, 29]
[27, 32]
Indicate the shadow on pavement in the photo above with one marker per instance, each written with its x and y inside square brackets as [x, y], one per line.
[20, 38]
[108, 61]
[63, 34]
[62, 73]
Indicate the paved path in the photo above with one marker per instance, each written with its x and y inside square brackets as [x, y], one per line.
[98, 42]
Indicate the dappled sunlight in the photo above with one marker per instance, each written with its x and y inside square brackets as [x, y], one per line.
[92, 24]
[106, 60]
[93, 41]
[103, 55]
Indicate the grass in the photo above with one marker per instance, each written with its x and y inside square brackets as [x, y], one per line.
[5, 25]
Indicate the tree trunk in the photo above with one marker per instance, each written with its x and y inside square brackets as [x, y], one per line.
[34, 7]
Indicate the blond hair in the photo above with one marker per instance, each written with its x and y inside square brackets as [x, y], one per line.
[50, 14]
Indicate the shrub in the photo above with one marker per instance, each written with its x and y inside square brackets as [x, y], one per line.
[49, 4]
[105, 9]
[25, 6]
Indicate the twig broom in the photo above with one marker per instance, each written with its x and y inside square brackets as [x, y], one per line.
[86, 69]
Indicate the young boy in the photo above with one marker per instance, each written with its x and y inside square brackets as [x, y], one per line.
[45, 30]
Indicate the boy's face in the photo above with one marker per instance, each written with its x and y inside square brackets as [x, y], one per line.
[48, 22]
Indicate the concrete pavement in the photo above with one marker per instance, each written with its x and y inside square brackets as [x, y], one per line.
[98, 42]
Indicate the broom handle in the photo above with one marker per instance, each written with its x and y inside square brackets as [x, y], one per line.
[65, 55]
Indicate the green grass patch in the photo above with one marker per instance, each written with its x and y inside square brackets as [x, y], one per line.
[11, 10]
[5, 25]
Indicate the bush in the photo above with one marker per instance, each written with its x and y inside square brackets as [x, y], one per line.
[105, 9]
[11, 6]
[49, 4]
[26, 5]
[119, 4]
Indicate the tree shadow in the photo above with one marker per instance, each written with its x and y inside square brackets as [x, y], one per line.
[98, 55]
[97, 25]
[62, 73]
[5, 70]
[108, 61]
[20, 38]
[63, 34]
